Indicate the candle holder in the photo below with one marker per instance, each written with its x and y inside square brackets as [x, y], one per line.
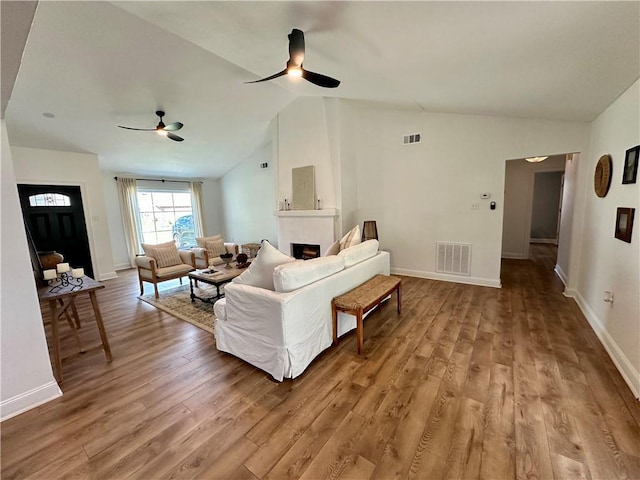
[64, 280]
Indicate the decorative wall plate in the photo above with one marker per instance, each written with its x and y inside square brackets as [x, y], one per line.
[602, 176]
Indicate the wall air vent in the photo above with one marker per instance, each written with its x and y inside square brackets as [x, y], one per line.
[454, 258]
[411, 138]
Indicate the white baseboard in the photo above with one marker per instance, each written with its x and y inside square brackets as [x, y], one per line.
[122, 266]
[629, 373]
[107, 276]
[26, 401]
[482, 282]
[561, 274]
[514, 256]
[553, 241]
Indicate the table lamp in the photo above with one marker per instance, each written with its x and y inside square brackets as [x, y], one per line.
[369, 230]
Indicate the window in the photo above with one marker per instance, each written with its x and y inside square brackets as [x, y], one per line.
[49, 200]
[165, 214]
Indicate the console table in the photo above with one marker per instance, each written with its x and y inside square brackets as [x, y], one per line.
[66, 297]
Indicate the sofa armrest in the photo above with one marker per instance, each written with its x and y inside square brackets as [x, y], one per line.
[188, 257]
[232, 247]
[148, 263]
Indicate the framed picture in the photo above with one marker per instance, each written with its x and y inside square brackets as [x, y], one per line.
[624, 223]
[630, 171]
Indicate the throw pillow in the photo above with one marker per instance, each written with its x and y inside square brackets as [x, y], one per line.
[165, 254]
[351, 238]
[359, 253]
[333, 249]
[202, 241]
[215, 247]
[260, 272]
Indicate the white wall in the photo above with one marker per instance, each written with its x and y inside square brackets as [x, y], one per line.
[303, 139]
[518, 188]
[249, 199]
[604, 262]
[26, 378]
[114, 220]
[49, 167]
[213, 215]
[566, 245]
[422, 193]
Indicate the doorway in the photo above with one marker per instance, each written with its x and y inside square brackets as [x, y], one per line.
[555, 179]
[54, 215]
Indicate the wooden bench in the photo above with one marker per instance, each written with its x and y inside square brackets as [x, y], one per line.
[362, 299]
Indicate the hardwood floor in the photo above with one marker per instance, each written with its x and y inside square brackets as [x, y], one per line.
[469, 382]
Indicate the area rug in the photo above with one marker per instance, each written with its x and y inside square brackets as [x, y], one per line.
[177, 302]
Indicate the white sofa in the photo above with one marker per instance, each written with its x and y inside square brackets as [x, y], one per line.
[281, 332]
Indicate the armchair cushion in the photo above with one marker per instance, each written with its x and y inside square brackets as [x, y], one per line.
[144, 262]
[165, 254]
[202, 241]
[215, 247]
[171, 272]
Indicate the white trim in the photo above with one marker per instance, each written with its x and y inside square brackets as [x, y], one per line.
[325, 212]
[108, 276]
[122, 266]
[515, 256]
[27, 400]
[482, 282]
[561, 274]
[553, 241]
[629, 373]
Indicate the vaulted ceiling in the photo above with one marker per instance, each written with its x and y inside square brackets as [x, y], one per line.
[96, 65]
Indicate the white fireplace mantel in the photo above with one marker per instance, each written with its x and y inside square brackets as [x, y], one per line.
[325, 212]
[315, 227]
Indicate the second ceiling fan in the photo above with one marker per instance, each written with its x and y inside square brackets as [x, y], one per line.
[294, 65]
[162, 128]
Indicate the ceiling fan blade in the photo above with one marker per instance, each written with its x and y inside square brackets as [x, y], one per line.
[296, 48]
[139, 129]
[276, 75]
[174, 137]
[172, 127]
[319, 79]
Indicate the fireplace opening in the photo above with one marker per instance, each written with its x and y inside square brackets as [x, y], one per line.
[304, 251]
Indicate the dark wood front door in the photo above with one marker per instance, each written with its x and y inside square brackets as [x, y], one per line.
[55, 218]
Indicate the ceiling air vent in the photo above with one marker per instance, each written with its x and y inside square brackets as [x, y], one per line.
[411, 138]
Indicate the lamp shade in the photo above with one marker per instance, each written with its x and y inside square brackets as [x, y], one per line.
[369, 230]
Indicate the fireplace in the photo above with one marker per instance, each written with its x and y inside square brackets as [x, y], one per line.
[311, 227]
[304, 251]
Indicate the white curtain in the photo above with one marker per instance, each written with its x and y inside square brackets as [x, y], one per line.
[127, 193]
[196, 208]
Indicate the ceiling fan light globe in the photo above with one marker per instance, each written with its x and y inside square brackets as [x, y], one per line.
[161, 132]
[294, 71]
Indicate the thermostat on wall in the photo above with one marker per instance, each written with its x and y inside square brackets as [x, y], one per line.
[485, 195]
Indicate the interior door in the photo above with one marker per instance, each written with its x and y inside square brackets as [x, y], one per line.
[55, 218]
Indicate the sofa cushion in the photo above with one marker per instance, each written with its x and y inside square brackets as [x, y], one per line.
[202, 241]
[359, 253]
[215, 247]
[351, 238]
[165, 254]
[260, 272]
[333, 249]
[294, 275]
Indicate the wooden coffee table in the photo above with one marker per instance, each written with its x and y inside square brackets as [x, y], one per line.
[220, 276]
